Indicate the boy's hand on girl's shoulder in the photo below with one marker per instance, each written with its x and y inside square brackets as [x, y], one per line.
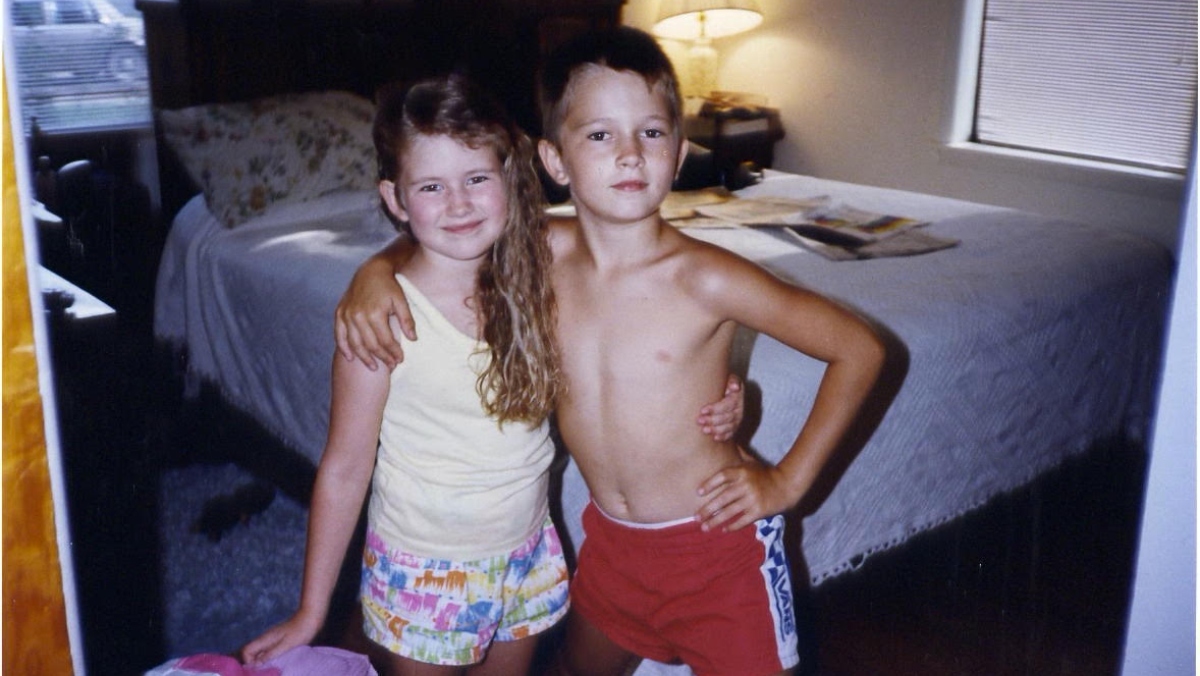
[738, 496]
[368, 315]
[368, 336]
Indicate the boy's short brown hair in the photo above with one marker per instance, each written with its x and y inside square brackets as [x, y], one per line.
[622, 48]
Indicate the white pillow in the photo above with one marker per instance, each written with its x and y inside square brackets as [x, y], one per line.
[290, 148]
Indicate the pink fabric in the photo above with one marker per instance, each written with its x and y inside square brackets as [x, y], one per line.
[222, 665]
[299, 661]
[320, 661]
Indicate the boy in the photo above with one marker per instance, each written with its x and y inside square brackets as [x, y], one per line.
[646, 320]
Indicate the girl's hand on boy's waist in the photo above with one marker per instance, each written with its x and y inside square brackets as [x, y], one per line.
[720, 420]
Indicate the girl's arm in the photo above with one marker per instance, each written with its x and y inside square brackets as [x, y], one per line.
[364, 318]
[810, 323]
[343, 478]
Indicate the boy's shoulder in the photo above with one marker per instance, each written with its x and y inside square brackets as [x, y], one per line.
[705, 255]
[706, 268]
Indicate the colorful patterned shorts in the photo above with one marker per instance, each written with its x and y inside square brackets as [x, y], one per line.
[448, 612]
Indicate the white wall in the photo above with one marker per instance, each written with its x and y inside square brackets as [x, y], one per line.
[1161, 637]
[867, 89]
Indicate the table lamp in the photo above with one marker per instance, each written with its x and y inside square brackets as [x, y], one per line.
[700, 21]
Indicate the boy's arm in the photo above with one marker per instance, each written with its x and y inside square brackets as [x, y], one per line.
[342, 481]
[807, 322]
[363, 320]
[362, 327]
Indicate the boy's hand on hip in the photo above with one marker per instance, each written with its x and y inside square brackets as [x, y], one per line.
[740, 495]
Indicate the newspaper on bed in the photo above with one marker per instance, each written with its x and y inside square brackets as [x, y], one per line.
[681, 207]
[712, 206]
[906, 243]
[836, 231]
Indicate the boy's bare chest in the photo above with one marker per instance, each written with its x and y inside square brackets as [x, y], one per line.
[649, 321]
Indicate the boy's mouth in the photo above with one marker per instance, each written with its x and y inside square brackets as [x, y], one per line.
[630, 186]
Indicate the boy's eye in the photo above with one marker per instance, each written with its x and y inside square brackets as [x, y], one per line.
[599, 136]
[430, 187]
[655, 133]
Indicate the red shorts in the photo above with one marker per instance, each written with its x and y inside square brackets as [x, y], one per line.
[719, 602]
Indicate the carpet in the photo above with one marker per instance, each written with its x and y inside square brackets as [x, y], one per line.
[217, 595]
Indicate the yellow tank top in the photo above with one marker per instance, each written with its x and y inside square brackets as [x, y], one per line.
[449, 482]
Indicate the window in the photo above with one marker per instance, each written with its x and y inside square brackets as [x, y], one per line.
[1111, 80]
[80, 64]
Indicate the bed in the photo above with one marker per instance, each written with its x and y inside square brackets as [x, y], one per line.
[1025, 344]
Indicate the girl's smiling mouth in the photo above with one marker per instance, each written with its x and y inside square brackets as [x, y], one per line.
[463, 228]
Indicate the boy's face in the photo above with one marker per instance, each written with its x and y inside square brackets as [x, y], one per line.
[452, 196]
[618, 147]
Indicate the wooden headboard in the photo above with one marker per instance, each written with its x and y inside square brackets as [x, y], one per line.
[208, 51]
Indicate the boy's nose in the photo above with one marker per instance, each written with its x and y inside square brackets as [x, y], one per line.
[629, 153]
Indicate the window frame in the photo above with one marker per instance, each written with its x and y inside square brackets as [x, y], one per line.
[82, 91]
[960, 149]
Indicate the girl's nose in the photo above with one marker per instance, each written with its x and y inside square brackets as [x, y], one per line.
[459, 202]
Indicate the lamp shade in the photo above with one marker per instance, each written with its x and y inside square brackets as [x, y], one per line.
[692, 19]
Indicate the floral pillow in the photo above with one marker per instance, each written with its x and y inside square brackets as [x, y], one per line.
[291, 148]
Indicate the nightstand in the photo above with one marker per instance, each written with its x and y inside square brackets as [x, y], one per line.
[85, 350]
[108, 473]
[736, 135]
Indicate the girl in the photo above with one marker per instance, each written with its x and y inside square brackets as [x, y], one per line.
[460, 548]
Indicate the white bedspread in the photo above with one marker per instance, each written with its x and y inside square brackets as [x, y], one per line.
[253, 306]
[1026, 343]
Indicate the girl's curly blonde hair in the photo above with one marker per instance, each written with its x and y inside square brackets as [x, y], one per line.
[515, 301]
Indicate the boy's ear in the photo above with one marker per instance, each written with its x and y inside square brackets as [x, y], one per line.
[387, 191]
[552, 161]
[684, 146]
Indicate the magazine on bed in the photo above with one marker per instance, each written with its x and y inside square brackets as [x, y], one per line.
[836, 231]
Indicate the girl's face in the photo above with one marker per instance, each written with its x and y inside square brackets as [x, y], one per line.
[452, 196]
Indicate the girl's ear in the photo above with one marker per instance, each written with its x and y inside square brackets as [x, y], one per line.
[387, 191]
[552, 161]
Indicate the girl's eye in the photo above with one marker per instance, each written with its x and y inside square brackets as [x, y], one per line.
[655, 133]
[476, 180]
[598, 136]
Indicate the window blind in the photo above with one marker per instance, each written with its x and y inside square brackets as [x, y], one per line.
[79, 64]
[1112, 80]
